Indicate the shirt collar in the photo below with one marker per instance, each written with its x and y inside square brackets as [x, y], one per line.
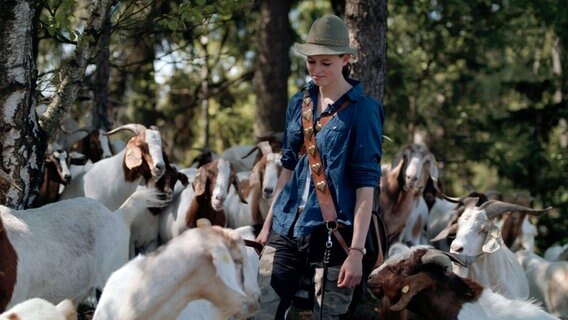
[354, 94]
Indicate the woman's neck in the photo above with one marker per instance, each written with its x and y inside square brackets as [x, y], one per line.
[332, 92]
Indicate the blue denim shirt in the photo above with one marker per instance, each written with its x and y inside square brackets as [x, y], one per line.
[350, 146]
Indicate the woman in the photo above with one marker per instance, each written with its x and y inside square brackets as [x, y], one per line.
[349, 147]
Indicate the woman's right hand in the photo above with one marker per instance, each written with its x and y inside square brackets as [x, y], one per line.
[262, 237]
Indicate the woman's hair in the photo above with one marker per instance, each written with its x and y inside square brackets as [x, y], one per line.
[346, 71]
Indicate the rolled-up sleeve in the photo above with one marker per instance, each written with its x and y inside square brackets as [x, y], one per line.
[364, 164]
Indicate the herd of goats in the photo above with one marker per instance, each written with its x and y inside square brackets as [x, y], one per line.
[122, 229]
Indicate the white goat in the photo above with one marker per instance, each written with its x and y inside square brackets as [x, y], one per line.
[66, 249]
[202, 263]
[36, 308]
[203, 199]
[258, 190]
[421, 280]
[205, 310]
[113, 179]
[479, 241]
[556, 253]
[548, 281]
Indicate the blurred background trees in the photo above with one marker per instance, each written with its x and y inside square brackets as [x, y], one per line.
[483, 83]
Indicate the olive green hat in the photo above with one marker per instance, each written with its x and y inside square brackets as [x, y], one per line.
[328, 35]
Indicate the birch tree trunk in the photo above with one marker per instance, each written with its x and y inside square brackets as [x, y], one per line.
[22, 141]
[367, 24]
[272, 67]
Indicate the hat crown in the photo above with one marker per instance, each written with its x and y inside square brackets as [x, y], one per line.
[329, 31]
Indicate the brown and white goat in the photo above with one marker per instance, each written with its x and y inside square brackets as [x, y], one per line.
[202, 263]
[56, 173]
[478, 240]
[401, 191]
[113, 179]
[95, 145]
[421, 280]
[258, 189]
[204, 199]
[145, 228]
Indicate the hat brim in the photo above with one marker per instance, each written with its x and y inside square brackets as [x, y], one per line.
[309, 49]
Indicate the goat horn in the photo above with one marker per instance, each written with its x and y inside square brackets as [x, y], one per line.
[494, 208]
[448, 198]
[251, 151]
[134, 127]
[9, 179]
[437, 257]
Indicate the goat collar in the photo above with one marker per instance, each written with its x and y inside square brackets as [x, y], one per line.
[467, 261]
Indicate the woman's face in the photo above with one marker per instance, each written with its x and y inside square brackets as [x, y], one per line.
[326, 69]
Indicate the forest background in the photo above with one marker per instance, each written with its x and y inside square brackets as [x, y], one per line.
[481, 82]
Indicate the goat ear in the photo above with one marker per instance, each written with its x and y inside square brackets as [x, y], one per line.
[453, 228]
[199, 182]
[237, 186]
[433, 168]
[226, 269]
[133, 157]
[183, 179]
[493, 240]
[411, 287]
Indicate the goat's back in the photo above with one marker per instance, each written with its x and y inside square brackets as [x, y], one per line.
[65, 249]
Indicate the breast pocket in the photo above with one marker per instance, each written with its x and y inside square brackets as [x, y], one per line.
[295, 136]
[334, 137]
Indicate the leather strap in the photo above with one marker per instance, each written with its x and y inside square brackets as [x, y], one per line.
[316, 165]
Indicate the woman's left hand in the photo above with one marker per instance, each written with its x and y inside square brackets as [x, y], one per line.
[351, 271]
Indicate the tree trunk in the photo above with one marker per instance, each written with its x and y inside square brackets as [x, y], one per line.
[100, 91]
[367, 24]
[272, 67]
[22, 140]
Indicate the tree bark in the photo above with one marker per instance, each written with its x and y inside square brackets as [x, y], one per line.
[100, 91]
[22, 141]
[367, 24]
[272, 67]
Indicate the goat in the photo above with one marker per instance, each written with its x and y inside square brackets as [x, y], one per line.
[112, 180]
[56, 173]
[444, 213]
[258, 190]
[421, 280]
[401, 189]
[66, 249]
[204, 199]
[479, 240]
[244, 157]
[548, 281]
[37, 308]
[205, 310]
[145, 228]
[95, 145]
[202, 263]
[557, 253]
